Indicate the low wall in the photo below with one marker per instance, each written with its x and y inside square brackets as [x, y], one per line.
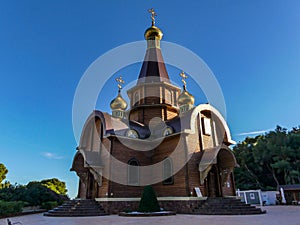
[178, 204]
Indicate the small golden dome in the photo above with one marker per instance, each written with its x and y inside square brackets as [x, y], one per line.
[185, 98]
[118, 103]
[152, 32]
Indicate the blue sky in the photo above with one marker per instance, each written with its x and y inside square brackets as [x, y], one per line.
[253, 48]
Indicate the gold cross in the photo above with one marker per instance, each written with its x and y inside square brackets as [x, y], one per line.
[120, 81]
[184, 76]
[153, 14]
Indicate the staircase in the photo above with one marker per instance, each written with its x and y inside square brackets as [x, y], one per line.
[226, 206]
[74, 208]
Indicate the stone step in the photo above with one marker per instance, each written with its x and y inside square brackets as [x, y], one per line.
[225, 206]
[75, 214]
[77, 208]
[228, 212]
[222, 200]
[72, 210]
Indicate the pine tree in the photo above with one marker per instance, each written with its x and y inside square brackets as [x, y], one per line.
[148, 201]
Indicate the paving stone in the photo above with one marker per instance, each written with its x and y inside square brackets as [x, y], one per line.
[276, 215]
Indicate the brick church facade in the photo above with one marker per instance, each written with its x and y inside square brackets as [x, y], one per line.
[160, 138]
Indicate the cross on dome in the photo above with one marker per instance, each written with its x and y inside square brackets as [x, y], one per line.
[153, 15]
[120, 81]
[184, 77]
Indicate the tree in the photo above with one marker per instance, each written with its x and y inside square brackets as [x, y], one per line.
[34, 193]
[55, 185]
[148, 201]
[269, 160]
[3, 172]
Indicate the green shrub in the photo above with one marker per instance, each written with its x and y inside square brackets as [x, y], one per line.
[49, 205]
[34, 193]
[148, 201]
[10, 208]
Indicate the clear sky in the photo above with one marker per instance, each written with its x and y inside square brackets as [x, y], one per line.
[253, 48]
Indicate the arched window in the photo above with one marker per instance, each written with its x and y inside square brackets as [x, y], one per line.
[136, 98]
[167, 131]
[133, 172]
[132, 134]
[168, 171]
[168, 99]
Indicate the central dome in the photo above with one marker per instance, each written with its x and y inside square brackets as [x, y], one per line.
[118, 103]
[185, 98]
[153, 32]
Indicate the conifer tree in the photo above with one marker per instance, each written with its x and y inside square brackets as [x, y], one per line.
[148, 201]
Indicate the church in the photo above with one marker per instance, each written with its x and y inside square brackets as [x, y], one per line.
[158, 138]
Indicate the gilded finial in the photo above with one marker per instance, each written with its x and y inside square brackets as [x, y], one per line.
[118, 105]
[184, 77]
[120, 81]
[153, 15]
[185, 99]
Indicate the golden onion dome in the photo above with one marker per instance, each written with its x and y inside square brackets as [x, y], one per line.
[118, 103]
[185, 98]
[152, 32]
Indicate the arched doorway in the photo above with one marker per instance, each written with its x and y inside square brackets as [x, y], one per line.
[82, 173]
[88, 186]
[213, 183]
[215, 167]
[92, 187]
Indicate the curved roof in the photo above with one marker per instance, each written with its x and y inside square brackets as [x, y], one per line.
[115, 126]
[184, 123]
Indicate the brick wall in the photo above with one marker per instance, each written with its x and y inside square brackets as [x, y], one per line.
[179, 206]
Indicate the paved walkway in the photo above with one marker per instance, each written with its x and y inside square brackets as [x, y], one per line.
[276, 215]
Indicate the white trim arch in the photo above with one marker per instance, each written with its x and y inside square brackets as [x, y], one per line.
[78, 153]
[88, 127]
[90, 159]
[212, 156]
[215, 115]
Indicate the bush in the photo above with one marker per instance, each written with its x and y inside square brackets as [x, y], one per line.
[33, 193]
[49, 205]
[148, 201]
[10, 208]
[55, 185]
[36, 194]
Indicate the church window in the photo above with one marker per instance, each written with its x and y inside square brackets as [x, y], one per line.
[136, 98]
[206, 126]
[133, 172]
[168, 97]
[168, 131]
[168, 171]
[132, 134]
